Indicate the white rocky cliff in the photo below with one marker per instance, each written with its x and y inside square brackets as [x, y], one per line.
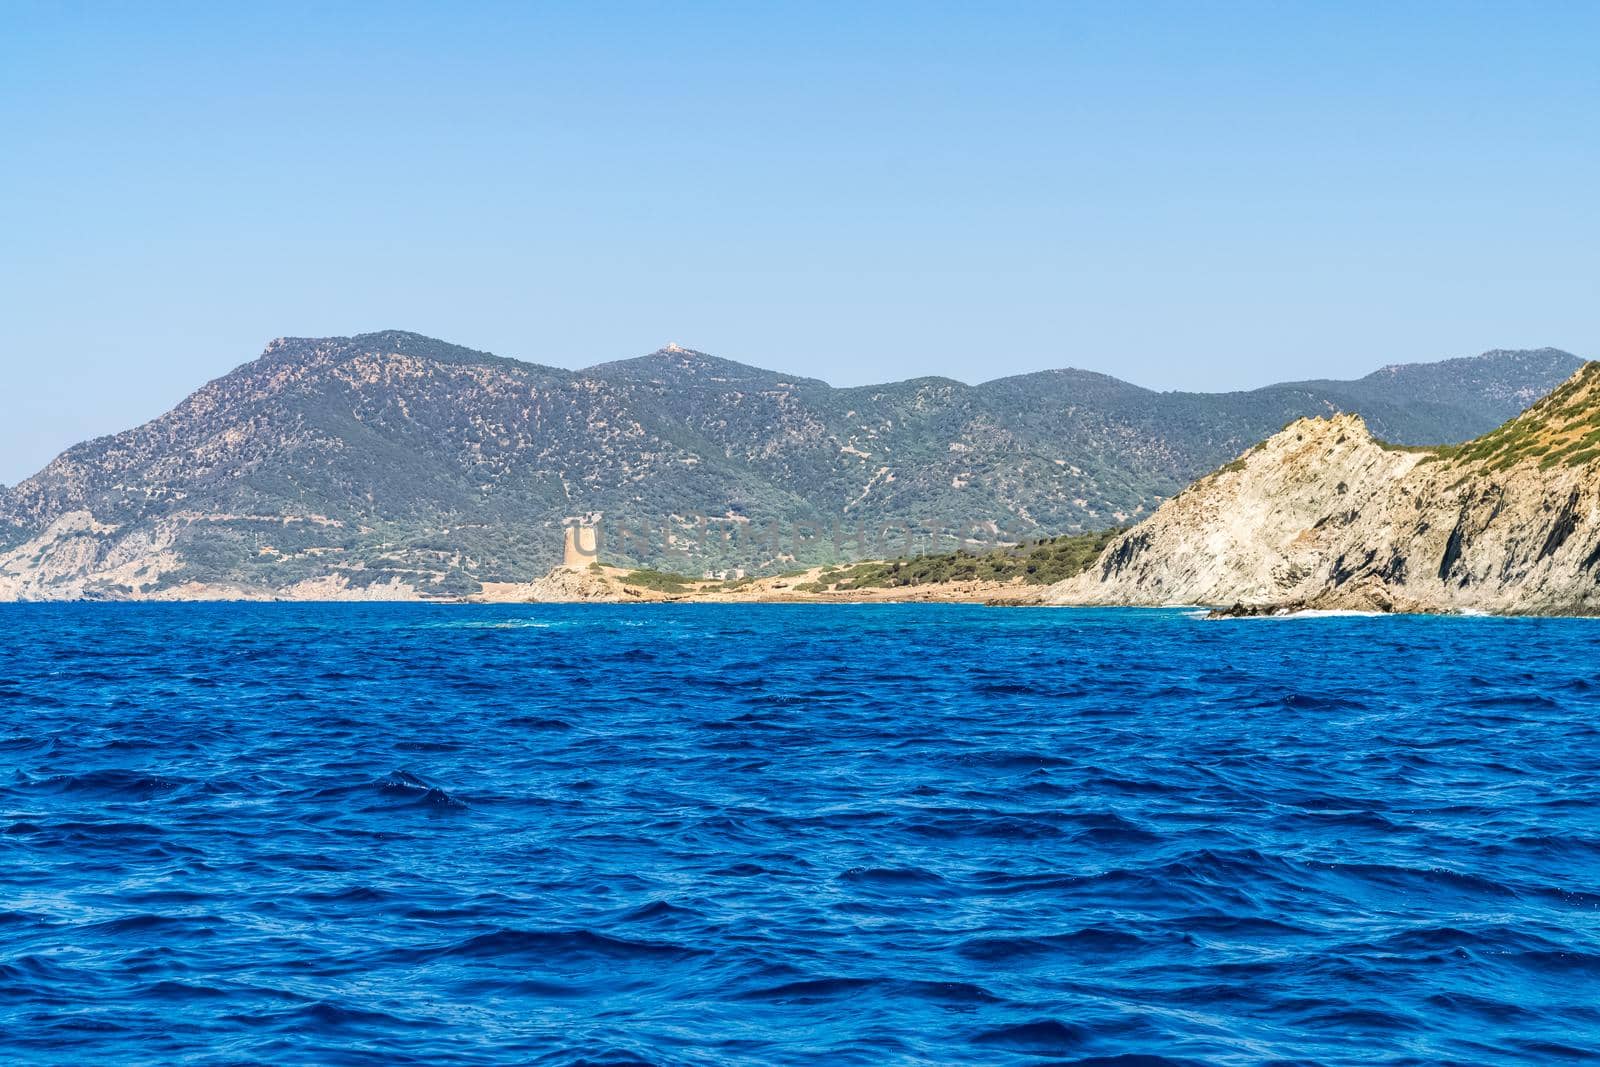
[1323, 516]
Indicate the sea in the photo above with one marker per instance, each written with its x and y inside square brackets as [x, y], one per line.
[794, 834]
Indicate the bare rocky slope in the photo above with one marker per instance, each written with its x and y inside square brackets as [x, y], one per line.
[1325, 516]
[393, 465]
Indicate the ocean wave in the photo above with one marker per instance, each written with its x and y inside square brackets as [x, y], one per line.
[311, 833]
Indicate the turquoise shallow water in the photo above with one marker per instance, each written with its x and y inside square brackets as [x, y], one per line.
[720, 834]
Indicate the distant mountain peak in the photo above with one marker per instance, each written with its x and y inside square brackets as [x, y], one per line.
[673, 350]
[674, 362]
[385, 343]
[1516, 353]
[1548, 354]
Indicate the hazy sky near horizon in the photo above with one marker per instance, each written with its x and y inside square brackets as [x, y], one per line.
[1186, 195]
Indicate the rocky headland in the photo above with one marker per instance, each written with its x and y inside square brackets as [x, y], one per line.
[1324, 516]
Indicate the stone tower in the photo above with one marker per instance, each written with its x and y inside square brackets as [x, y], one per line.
[581, 546]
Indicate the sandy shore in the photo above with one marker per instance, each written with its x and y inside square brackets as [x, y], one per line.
[613, 585]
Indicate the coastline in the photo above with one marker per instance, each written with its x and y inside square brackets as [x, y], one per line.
[593, 585]
[601, 584]
[975, 594]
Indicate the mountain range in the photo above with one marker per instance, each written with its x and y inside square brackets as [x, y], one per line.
[391, 464]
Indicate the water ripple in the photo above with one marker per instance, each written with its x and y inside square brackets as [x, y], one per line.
[867, 835]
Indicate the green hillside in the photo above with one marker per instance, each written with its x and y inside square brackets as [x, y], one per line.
[393, 456]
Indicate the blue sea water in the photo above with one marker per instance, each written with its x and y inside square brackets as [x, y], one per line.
[794, 834]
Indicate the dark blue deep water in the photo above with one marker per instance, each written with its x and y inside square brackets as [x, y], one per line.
[872, 835]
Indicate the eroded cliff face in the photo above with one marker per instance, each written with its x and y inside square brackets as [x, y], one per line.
[77, 557]
[77, 550]
[1324, 516]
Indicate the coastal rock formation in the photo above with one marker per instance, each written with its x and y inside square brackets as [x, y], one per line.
[75, 552]
[563, 585]
[1325, 516]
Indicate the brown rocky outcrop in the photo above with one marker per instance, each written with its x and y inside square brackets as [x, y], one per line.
[1322, 516]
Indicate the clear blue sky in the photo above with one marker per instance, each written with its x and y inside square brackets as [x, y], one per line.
[1185, 195]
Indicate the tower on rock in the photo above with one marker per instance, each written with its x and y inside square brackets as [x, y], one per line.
[581, 545]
